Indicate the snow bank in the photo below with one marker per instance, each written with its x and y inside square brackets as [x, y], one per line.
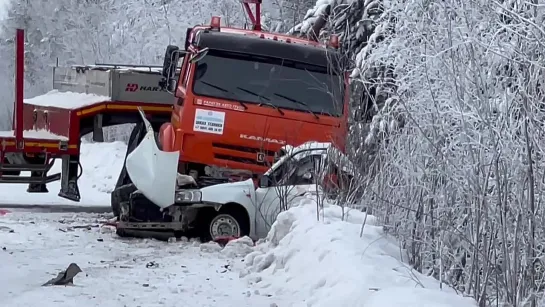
[327, 263]
[101, 162]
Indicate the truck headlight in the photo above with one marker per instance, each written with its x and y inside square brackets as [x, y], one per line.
[188, 196]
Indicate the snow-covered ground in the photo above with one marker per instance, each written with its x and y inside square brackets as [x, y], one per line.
[101, 163]
[116, 272]
[303, 262]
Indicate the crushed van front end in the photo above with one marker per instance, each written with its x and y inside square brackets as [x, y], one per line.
[140, 217]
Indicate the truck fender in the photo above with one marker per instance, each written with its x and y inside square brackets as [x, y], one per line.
[166, 137]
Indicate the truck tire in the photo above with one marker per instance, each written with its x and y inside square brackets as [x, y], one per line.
[227, 222]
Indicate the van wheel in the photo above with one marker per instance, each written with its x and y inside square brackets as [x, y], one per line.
[226, 223]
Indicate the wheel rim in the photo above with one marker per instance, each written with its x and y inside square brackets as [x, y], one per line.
[224, 225]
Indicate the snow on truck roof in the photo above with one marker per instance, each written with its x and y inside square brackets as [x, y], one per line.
[267, 35]
[122, 68]
[35, 134]
[252, 44]
[66, 100]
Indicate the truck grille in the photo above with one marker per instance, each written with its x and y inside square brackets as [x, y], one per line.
[240, 160]
[248, 155]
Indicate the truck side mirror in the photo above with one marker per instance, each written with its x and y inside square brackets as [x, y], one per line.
[171, 59]
[172, 55]
[264, 181]
[199, 55]
[187, 38]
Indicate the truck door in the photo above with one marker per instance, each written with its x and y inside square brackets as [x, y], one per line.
[183, 82]
[185, 72]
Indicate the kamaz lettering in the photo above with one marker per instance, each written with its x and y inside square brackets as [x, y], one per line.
[261, 139]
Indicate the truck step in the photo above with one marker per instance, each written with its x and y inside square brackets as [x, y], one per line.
[24, 167]
[30, 179]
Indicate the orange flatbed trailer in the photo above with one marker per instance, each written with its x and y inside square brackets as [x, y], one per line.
[84, 98]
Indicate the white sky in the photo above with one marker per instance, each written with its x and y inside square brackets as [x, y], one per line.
[3, 4]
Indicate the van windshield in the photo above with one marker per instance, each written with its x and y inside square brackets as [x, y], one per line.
[270, 81]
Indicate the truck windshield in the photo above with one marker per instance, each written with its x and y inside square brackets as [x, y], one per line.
[270, 82]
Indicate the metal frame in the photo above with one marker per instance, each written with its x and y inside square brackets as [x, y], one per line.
[255, 18]
[19, 87]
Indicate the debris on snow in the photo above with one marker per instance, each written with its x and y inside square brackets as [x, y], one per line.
[5, 229]
[210, 247]
[115, 269]
[239, 247]
[151, 264]
[65, 277]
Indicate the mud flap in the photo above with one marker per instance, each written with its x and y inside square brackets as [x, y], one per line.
[69, 179]
[153, 171]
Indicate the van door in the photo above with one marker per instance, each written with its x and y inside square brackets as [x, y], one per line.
[289, 183]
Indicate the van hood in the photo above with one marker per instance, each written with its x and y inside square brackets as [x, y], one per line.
[220, 193]
[153, 171]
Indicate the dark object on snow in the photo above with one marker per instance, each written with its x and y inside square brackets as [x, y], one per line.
[152, 264]
[65, 277]
[222, 241]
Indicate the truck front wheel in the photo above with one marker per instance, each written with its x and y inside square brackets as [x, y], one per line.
[231, 221]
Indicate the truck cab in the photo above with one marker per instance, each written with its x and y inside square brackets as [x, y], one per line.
[241, 95]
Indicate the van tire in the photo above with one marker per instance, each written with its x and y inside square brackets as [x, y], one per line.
[209, 222]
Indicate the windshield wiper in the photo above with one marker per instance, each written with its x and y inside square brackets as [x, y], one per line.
[297, 102]
[252, 93]
[225, 91]
[263, 100]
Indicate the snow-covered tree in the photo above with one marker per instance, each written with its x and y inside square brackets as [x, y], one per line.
[360, 25]
[456, 126]
[282, 15]
[43, 43]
